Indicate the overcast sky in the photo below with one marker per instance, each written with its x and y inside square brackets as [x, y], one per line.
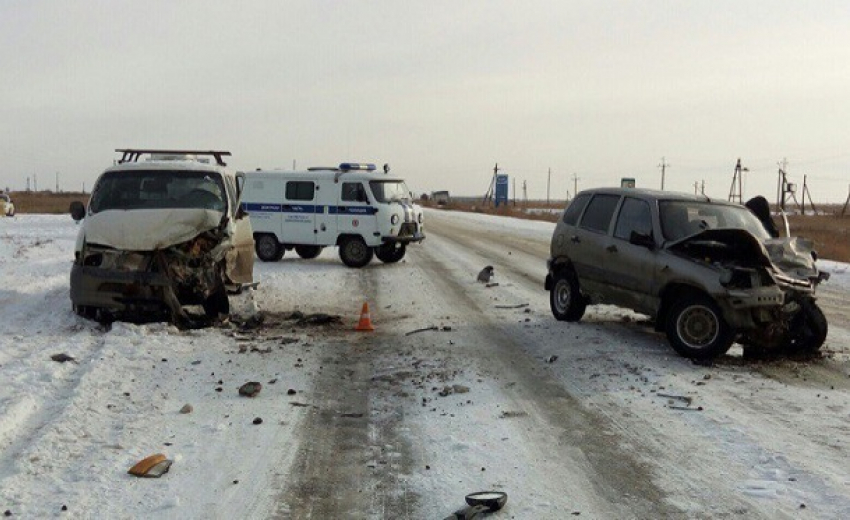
[441, 90]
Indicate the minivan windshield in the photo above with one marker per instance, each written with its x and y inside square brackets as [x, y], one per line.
[680, 219]
[153, 189]
[389, 191]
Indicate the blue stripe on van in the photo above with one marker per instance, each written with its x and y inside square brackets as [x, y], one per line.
[305, 208]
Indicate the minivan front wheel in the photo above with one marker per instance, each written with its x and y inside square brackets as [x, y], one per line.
[696, 329]
[565, 298]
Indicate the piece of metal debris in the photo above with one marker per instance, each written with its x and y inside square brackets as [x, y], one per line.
[187, 408]
[552, 359]
[421, 330]
[62, 358]
[351, 415]
[250, 389]
[517, 306]
[153, 466]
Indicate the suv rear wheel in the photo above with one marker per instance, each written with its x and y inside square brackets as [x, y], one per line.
[565, 298]
[696, 329]
[268, 248]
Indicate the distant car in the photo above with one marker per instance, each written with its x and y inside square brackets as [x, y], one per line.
[161, 234]
[708, 272]
[7, 207]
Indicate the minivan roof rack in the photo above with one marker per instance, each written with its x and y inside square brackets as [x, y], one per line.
[133, 154]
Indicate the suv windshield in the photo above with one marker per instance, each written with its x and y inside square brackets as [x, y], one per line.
[680, 219]
[153, 189]
[389, 191]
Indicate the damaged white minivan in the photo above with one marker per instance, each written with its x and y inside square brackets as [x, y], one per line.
[161, 234]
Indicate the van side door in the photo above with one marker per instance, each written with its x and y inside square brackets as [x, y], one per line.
[327, 193]
[588, 243]
[631, 258]
[299, 212]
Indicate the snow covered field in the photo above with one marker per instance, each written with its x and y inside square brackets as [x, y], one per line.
[567, 419]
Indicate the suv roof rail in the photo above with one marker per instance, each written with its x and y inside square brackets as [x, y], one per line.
[133, 154]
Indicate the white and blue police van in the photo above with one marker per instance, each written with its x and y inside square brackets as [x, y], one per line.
[353, 206]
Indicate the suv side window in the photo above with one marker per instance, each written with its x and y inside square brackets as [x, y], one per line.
[599, 211]
[300, 190]
[575, 208]
[635, 215]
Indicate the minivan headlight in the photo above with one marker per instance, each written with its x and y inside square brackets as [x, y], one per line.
[394, 219]
[420, 218]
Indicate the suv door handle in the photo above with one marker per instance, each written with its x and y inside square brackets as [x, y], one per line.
[611, 249]
[575, 239]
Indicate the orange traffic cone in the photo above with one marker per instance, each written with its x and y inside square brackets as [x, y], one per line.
[365, 320]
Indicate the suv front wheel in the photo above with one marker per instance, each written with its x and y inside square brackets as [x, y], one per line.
[565, 298]
[696, 329]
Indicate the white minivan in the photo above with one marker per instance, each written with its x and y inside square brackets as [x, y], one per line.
[160, 234]
[352, 206]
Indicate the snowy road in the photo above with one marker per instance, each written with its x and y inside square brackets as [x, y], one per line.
[394, 424]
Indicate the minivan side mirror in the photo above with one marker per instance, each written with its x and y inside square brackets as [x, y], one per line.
[78, 211]
[643, 240]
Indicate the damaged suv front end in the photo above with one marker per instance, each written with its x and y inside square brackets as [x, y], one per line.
[158, 236]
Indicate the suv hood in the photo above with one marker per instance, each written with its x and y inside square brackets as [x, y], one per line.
[792, 256]
[148, 229]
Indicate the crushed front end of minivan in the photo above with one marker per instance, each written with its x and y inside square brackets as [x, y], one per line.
[159, 236]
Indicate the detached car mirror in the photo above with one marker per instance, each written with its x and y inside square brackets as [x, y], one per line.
[641, 239]
[78, 211]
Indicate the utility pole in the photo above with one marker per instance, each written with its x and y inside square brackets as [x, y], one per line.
[57, 182]
[514, 179]
[696, 185]
[736, 191]
[548, 183]
[664, 165]
[524, 195]
[702, 187]
[575, 184]
[491, 190]
[34, 182]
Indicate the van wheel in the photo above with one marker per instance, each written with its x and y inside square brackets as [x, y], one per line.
[354, 252]
[696, 329]
[391, 252]
[268, 248]
[565, 298]
[308, 252]
[808, 329]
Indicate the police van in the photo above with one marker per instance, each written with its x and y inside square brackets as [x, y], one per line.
[352, 206]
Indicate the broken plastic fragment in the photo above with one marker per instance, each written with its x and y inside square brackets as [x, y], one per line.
[151, 467]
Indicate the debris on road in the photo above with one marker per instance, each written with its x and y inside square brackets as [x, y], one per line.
[551, 359]
[153, 466]
[187, 408]
[480, 504]
[250, 389]
[485, 274]
[258, 420]
[517, 306]
[454, 389]
[62, 358]
[434, 327]
[351, 415]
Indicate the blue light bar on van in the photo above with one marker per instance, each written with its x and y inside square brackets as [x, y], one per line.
[357, 166]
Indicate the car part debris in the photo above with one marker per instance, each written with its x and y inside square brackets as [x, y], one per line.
[250, 389]
[687, 400]
[187, 408]
[62, 358]
[517, 306]
[486, 274]
[479, 504]
[552, 359]
[151, 467]
[433, 327]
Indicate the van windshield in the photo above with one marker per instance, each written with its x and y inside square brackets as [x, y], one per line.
[153, 189]
[680, 219]
[389, 191]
